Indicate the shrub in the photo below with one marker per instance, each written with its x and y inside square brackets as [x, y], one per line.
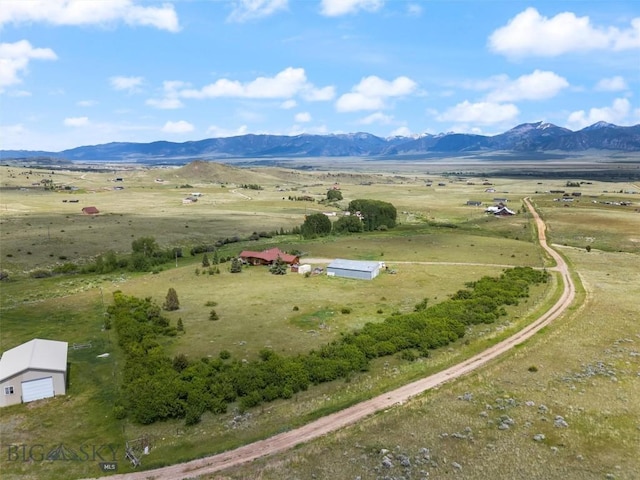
[225, 354]
[345, 310]
[40, 274]
[213, 315]
[119, 412]
[533, 368]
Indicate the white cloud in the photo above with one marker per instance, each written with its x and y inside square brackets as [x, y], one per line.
[538, 85]
[319, 94]
[180, 126]
[82, 12]
[377, 117]
[15, 58]
[87, 103]
[531, 34]
[336, 8]
[220, 132]
[354, 102]
[612, 84]
[244, 10]
[131, 84]
[401, 132]
[167, 103]
[303, 117]
[371, 92]
[170, 100]
[483, 113]
[288, 104]
[618, 113]
[76, 121]
[285, 84]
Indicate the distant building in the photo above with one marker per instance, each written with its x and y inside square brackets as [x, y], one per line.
[33, 371]
[90, 210]
[358, 269]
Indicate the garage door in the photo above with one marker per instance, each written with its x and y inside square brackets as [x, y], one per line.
[37, 389]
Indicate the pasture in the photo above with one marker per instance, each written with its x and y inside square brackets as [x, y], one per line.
[440, 244]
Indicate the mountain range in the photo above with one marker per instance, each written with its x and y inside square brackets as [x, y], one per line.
[527, 137]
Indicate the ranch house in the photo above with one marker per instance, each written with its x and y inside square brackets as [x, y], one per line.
[359, 269]
[32, 371]
[267, 257]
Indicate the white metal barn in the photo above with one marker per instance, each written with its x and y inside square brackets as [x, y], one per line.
[359, 269]
[32, 371]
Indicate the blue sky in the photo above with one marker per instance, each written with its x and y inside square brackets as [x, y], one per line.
[85, 72]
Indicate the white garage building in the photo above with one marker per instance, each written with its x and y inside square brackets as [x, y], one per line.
[363, 270]
[32, 371]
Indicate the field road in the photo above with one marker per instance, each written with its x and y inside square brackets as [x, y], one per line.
[287, 440]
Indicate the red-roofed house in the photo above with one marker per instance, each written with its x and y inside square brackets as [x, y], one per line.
[267, 257]
[90, 210]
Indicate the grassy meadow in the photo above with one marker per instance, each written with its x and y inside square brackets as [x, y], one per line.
[562, 406]
[439, 244]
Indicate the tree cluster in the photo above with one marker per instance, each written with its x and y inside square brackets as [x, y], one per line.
[376, 214]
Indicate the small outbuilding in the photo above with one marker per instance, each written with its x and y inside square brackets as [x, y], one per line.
[359, 269]
[33, 371]
[90, 211]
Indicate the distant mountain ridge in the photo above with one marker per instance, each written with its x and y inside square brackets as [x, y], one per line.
[527, 137]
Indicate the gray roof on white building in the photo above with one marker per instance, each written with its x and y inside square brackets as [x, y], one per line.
[36, 354]
[357, 265]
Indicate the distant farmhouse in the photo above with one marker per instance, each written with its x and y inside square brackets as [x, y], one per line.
[500, 210]
[90, 211]
[33, 371]
[267, 257]
[359, 269]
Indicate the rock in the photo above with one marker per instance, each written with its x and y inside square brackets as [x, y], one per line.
[426, 453]
[538, 437]
[386, 462]
[456, 465]
[560, 422]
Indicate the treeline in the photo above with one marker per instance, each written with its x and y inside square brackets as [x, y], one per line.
[155, 387]
[146, 255]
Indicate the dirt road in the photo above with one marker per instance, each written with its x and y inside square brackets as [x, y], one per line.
[335, 421]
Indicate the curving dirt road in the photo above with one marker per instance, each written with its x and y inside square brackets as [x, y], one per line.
[287, 440]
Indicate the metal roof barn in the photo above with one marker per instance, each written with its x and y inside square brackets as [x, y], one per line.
[359, 269]
[32, 371]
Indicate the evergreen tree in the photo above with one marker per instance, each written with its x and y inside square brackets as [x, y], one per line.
[278, 267]
[213, 315]
[180, 326]
[236, 265]
[171, 302]
[205, 260]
